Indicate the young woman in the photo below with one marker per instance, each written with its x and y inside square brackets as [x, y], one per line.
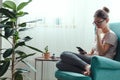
[105, 46]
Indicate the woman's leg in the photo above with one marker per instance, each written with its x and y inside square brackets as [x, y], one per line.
[85, 57]
[74, 59]
[67, 67]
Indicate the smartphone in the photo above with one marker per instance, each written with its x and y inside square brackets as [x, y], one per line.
[81, 50]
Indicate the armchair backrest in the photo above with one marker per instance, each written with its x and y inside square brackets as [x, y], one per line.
[116, 28]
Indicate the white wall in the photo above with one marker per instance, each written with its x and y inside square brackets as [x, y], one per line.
[65, 38]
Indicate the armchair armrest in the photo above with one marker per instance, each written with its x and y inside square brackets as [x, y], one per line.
[104, 68]
[103, 62]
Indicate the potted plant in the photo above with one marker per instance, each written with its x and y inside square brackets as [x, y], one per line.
[46, 53]
[10, 13]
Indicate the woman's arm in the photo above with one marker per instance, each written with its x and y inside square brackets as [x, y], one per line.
[102, 48]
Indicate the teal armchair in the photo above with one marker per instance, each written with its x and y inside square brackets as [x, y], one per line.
[101, 68]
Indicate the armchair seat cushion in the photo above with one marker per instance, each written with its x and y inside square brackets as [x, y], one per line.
[64, 75]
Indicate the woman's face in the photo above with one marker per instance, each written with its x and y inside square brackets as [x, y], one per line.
[99, 22]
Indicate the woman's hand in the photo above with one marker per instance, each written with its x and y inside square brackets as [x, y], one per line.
[98, 31]
[82, 52]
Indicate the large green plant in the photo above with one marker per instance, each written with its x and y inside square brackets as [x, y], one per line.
[10, 13]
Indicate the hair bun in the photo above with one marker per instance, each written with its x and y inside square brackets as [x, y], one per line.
[106, 9]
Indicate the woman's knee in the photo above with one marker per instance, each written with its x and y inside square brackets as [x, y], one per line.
[64, 54]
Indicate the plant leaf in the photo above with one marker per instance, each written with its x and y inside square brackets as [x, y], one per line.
[22, 25]
[7, 13]
[8, 52]
[10, 4]
[4, 67]
[24, 56]
[5, 20]
[34, 48]
[20, 52]
[21, 70]
[46, 49]
[3, 78]
[10, 24]
[2, 25]
[23, 29]
[19, 44]
[29, 65]
[27, 38]
[9, 32]
[22, 5]
[21, 13]
[18, 76]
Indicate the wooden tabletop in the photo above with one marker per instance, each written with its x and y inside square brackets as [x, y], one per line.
[50, 59]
